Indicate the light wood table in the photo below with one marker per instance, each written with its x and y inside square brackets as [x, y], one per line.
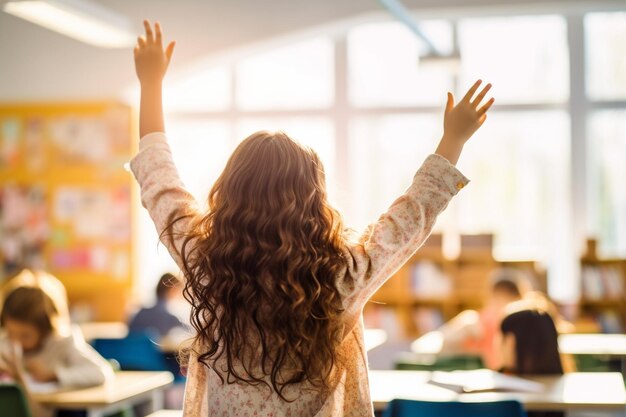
[593, 344]
[126, 390]
[573, 391]
[431, 343]
[607, 345]
[167, 413]
[103, 330]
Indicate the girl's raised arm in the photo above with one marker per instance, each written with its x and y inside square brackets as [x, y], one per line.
[162, 191]
[151, 62]
[387, 244]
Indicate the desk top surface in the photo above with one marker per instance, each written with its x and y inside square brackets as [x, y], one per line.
[573, 344]
[593, 344]
[577, 390]
[125, 386]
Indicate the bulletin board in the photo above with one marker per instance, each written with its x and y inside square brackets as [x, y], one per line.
[66, 200]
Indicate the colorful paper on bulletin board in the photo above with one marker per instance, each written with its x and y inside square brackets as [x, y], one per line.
[10, 149]
[24, 225]
[101, 140]
[65, 198]
[92, 213]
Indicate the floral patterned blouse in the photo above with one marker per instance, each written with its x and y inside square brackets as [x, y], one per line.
[372, 259]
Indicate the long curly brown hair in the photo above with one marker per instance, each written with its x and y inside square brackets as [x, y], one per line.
[261, 268]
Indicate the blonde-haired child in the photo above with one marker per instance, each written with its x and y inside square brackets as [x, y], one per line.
[276, 286]
[36, 340]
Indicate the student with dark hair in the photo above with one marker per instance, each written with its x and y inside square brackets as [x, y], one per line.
[530, 345]
[474, 332]
[158, 319]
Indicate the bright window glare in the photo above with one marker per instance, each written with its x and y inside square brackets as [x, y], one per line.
[525, 58]
[606, 56]
[384, 69]
[519, 167]
[300, 75]
[607, 170]
[203, 90]
[385, 152]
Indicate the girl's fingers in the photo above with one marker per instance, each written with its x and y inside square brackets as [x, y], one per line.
[141, 41]
[471, 91]
[481, 95]
[450, 102]
[483, 109]
[170, 50]
[159, 33]
[149, 35]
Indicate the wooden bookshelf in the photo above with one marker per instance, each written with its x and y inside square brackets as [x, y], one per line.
[603, 287]
[430, 282]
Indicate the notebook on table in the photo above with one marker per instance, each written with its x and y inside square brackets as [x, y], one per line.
[483, 380]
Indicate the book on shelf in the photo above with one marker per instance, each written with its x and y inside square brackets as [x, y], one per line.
[427, 319]
[601, 282]
[427, 280]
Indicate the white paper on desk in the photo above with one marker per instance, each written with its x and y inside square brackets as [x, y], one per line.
[482, 380]
[40, 387]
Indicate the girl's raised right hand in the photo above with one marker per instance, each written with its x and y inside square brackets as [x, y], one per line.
[461, 121]
[151, 60]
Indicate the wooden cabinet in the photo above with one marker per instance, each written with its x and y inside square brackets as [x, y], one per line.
[431, 289]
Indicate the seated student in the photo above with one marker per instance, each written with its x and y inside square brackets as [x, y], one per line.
[158, 318]
[529, 344]
[473, 332]
[37, 343]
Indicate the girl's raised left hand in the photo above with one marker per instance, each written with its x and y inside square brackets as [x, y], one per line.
[151, 60]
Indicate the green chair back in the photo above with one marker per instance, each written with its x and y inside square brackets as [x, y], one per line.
[13, 401]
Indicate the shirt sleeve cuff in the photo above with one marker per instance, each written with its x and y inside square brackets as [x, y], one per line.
[152, 139]
[440, 168]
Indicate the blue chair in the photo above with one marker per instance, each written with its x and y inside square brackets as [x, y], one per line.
[135, 352]
[13, 401]
[411, 408]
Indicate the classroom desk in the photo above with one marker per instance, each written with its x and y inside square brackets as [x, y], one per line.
[574, 391]
[431, 343]
[593, 344]
[167, 413]
[126, 390]
[103, 330]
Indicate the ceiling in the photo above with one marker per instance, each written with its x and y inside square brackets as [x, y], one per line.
[38, 64]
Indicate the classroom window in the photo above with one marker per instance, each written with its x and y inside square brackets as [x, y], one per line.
[295, 76]
[384, 69]
[519, 167]
[606, 61]
[525, 57]
[606, 171]
[385, 152]
[207, 89]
